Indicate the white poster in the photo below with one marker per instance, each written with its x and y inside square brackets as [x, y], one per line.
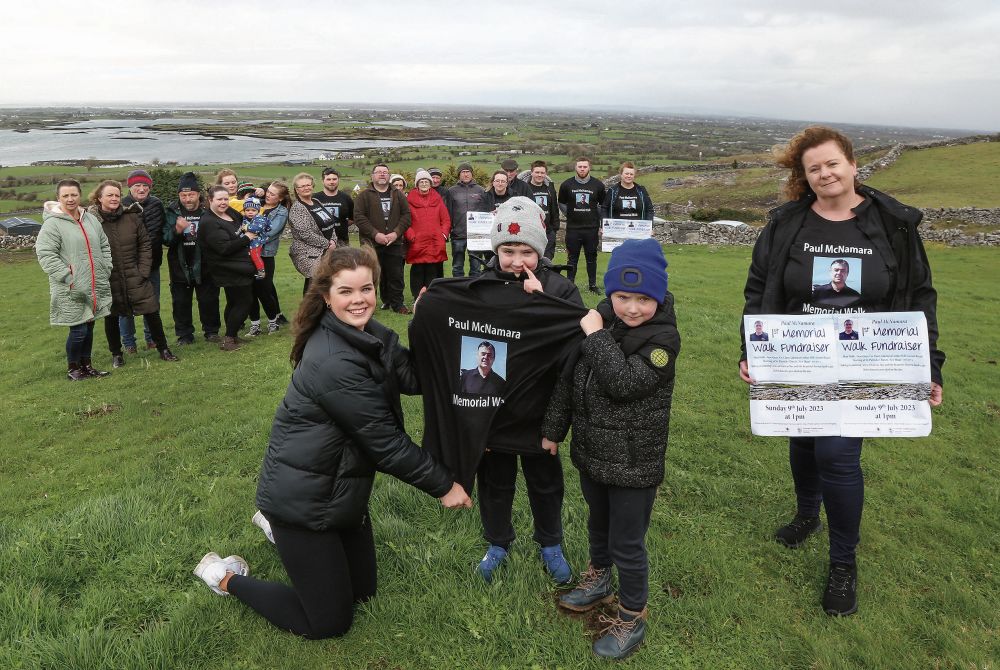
[616, 231]
[855, 375]
[478, 227]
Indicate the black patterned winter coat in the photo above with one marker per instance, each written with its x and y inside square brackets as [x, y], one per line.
[617, 399]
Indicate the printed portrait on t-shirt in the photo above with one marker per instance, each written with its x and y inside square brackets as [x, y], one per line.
[386, 206]
[583, 199]
[836, 281]
[542, 200]
[628, 203]
[483, 368]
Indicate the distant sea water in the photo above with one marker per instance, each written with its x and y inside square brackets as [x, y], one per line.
[118, 139]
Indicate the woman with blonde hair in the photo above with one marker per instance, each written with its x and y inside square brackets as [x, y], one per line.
[307, 218]
[132, 259]
[74, 252]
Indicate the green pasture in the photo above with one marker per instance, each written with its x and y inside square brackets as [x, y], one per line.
[959, 176]
[113, 489]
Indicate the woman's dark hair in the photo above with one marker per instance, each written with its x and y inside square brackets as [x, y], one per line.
[95, 196]
[790, 156]
[212, 190]
[68, 182]
[313, 305]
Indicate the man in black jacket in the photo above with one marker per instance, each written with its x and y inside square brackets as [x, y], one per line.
[543, 192]
[189, 277]
[580, 199]
[139, 184]
[464, 197]
[514, 185]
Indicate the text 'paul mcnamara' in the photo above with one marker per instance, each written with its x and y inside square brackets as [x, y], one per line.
[484, 328]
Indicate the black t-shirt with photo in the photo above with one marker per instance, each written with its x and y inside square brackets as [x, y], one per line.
[386, 200]
[322, 216]
[463, 415]
[583, 202]
[341, 210]
[627, 202]
[822, 244]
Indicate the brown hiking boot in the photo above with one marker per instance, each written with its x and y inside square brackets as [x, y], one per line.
[229, 344]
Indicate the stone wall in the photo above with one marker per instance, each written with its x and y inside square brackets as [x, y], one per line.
[17, 241]
[698, 232]
[968, 215]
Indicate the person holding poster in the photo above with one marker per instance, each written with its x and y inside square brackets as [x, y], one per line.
[627, 199]
[839, 233]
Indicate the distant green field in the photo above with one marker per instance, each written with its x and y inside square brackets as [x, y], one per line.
[962, 176]
[113, 489]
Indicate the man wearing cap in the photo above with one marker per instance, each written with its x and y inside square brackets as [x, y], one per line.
[436, 177]
[383, 215]
[139, 184]
[464, 197]
[514, 185]
[580, 199]
[339, 206]
[188, 275]
[543, 192]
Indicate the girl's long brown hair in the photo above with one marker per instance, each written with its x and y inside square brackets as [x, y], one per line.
[313, 305]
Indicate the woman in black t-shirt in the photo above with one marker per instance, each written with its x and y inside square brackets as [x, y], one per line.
[837, 247]
[307, 219]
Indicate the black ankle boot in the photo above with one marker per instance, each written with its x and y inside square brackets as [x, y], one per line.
[91, 370]
[75, 373]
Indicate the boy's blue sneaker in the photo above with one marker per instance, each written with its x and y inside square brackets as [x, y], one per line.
[622, 634]
[491, 561]
[556, 565]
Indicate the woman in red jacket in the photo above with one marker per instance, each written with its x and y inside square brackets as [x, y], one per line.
[427, 234]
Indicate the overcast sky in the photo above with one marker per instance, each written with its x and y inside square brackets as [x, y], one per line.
[916, 63]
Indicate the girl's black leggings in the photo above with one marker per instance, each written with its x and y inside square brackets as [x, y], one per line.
[330, 571]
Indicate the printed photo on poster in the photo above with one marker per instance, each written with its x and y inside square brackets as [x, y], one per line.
[847, 330]
[758, 334]
[483, 367]
[836, 281]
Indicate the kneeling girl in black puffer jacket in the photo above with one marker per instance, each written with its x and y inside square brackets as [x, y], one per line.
[339, 423]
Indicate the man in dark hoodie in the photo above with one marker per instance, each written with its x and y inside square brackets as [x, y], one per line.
[139, 184]
[188, 275]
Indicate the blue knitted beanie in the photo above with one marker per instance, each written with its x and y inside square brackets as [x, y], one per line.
[637, 266]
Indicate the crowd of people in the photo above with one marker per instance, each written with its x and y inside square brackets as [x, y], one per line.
[341, 421]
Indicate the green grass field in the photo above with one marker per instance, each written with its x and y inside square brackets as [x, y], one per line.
[113, 489]
[961, 176]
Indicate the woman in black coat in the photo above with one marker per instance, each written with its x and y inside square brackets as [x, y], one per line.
[339, 423]
[227, 255]
[830, 211]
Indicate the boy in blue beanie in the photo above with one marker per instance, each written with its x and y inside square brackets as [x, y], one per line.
[616, 395]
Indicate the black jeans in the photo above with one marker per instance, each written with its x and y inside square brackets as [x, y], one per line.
[617, 525]
[422, 274]
[587, 240]
[238, 301]
[80, 342]
[828, 470]
[113, 333]
[181, 298]
[550, 246]
[496, 480]
[264, 293]
[390, 284]
[330, 571]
